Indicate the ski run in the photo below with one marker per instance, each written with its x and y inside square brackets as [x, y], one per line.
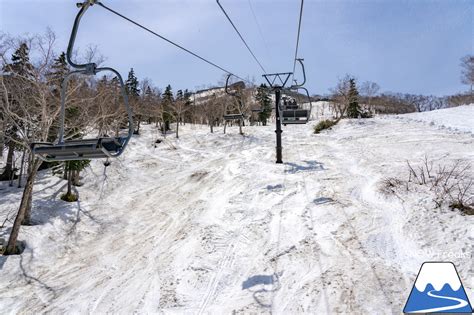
[209, 224]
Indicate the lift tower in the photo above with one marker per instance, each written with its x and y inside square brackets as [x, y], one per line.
[277, 86]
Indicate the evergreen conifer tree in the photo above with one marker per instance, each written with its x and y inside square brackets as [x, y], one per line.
[179, 95]
[353, 110]
[58, 71]
[20, 64]
[167, 102]
[133, 92]
[263, 98]
[168, 94]
[131, 86]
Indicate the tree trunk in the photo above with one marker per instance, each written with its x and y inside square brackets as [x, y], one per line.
[138, 126]
[69, 183]
[65, 170]
[2, 138]
[177, 128]
[27, 193]
[21, 168]
[472, 96]
[27, 218]
[75, 180]
[8, 172]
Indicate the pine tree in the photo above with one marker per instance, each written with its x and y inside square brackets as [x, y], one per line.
[148, 92]
[353, 110]
[58, 71]
[168, 94]
[263, 98]
[55, 77]
[187, 96]
[131, 86]
[133, 92]
[179, 95]
[188, 114]
[167, 102]
[20, 64]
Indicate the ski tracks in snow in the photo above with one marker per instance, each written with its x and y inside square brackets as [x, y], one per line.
[214, 226]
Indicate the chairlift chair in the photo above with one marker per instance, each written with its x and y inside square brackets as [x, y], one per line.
[291, 113]
[233, 111]
[81, 149]
[294, 116]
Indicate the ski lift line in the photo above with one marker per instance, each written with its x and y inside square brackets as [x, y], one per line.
[240, 35]
[259, 27]
[168, 40]
[298, 38]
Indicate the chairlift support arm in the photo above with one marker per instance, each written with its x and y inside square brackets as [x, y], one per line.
[84, 6]
[296, 85]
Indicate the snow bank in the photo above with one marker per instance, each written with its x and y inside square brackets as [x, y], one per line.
[459, 118]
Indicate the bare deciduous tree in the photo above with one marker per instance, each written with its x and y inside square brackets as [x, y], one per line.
[26, 104]
[340, 96]
[370, 89]
[467, 73]
[30, 103]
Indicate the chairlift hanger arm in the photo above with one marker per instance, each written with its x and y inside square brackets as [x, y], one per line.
[227, 86]
[296, 85]
[84, 6]
[238, 96]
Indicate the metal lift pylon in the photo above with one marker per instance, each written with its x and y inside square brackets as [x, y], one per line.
[277, 86]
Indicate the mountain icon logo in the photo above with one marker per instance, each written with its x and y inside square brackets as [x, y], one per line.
[438, 289]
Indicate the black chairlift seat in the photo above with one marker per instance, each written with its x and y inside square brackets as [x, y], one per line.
[80, 149]
[298, 116]
[291, 106]
[233, 116]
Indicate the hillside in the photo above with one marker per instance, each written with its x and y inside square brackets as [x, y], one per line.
[210, 224]
[457, 118]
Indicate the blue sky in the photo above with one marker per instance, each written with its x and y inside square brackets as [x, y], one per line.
[411, 46]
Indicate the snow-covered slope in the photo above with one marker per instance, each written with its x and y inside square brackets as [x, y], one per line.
[210, 224]
[457, 118]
